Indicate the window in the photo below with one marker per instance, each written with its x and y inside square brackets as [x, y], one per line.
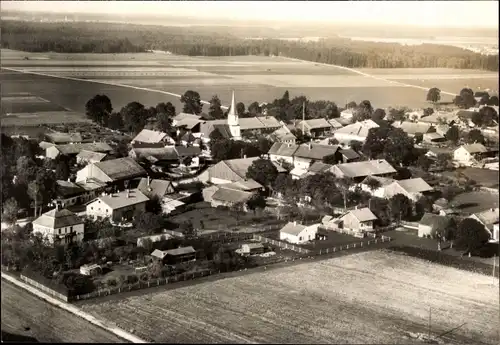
[59, 231]
[107, 210]
[91, 207]
[70, 229]
[300, 238]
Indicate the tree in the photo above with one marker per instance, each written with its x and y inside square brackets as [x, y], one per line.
[26, 170]
[493, 100]
[380, 208]
[188, 230]
[428, 112]
[35, 194]
[165, 112]
[356, 145]
[240, 108]
[153, 205]
[351, 105]
[264, 144]
[453, 134]
[373, 185]
[378, 114]
[471, 235]
[254, 108]
[344, 184]
[475, 136]
[134, 117]
[400, 207]
[447, 232]
[215, 109]
[485, 117]
[98, 109]
[192, 102]
[423, 205]
[257, 201]
[10, 210]
[424, 163]
[62, 170]
[434, 95]
[444, 161]
[364, 111]
[115, 121]
[187, 161]
[148, 222]
[397, 114]
[263, 171]
[332, 159]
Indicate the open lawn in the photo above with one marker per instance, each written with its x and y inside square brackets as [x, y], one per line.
[371, 297]
[253, 78]
[475, 201]
[45, 322]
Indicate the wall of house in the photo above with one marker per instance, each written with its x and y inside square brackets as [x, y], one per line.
[302, 163]
[346, 138]
[80, 199]
[424, 230]
[351, 222]
[52, 233]
[462, 155]
[52, 152]
[276, 158]
[98, 209]
[289, 238]
[308, 234]
[127, 212]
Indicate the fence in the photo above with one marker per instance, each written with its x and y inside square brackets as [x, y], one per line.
[281, 244]
[361, 244]
[144, 285]
[44, 288]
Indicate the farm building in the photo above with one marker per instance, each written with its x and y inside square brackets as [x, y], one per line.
[379, 192]
[357, 131]
[89, 157]
[74, 149]
[175, 256]
[232, 170]
[358, 221]
[433, 137]
[155, 187]
[283, 135]
[111, 171]
[412, 188]
[412, 128]
[227, 196]
[317, 128]
[155, 155]
[468, 155]
[77, 193]
[442, 129]
[318, 167]
[360, 170]
[431, 223]
[118, 206]
[490, 219]
[252, 248]
[298, 233]
[60, 226]
[188, 121]
[148, 136]
[60, 138]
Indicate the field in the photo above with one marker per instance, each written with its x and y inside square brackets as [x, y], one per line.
[150, 78]
[371, 297]
[46, 322]
[475, 201]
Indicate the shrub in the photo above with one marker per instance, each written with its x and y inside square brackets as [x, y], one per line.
[132, 279]
[111, 282]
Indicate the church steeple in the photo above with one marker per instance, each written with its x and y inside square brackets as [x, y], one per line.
[233, 120]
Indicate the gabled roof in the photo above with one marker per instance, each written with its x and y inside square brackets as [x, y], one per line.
[191, 151]
[434, 221]
[91, 155]
[349, 153]
[315, 123]
[121, 168]
[269, 121]
[293, 228]
[283, 149]
[160, 254]
[335, 123]
[56, 219]
[475, 148]
[384, 181]
[149, 136]
[156, 187]
[180, 251]
[223, 130]
[489, 217]
[315, 151]
[123, 199]
[240, 166]
[66, 189]
[363, 214]
[59, 137]
[182, 116]
[433, 136]
[159, 153]
[247, 123]
[245, 185]
[365, 168]
[70, 149]
[231, 195]
[319, 167]
[359, 128]
[45, 145]
[414, 185]
[414, 127]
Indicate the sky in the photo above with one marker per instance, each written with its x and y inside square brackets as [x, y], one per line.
[466, 14]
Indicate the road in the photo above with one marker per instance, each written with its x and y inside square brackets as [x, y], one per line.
[47, 323]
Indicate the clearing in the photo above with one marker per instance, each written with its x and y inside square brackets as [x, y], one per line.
[371, 297]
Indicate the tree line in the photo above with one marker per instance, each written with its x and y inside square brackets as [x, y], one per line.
[121, 38]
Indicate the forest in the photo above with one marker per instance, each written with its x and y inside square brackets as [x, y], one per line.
[83, 37]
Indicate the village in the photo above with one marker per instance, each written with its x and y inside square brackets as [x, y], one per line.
[248, 188]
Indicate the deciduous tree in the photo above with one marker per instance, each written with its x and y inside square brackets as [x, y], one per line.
[99, 109]
[400, 206]
[10, 210]
[434, 95]
[263, 171]
[471, 235]
[453, 134]
[475, 136]
[192, 102]
[215, 109]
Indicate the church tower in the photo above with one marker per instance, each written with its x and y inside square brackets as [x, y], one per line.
[233, 121]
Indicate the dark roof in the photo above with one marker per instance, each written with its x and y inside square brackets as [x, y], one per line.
[138, 145]
[283, 149]
[159, 153]
[466, 113]
[56, 219]
[223, 130]
[121, 168]
[67, 189]
[191, 151]
[156, 187]
[349, 153]
[180, 251]
[435, 221]
[315, 151]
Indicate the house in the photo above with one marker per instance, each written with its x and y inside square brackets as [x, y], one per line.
[297, 233]
[380, 191]
[44, 145]
[156, 155]
[174, 256]
[468, 155]
[155, 187]
[169, 205]
[230, 197]
[59, 138]
[357, 221]
[318, 168]
[360, 170]
[490, 219]
[283, 135]
[441, 117]
[148, 136]
[189, 154]
[118, 206]
[86, 157]
[74, 149]
[282, 152]
[187, 121]
[60, 226]
[232, 170]
[412, 128]
[252, 248]
[90, 270]
[357, 131]
[431, 223]
[112, 171]
[433, 137]
[442, 129]
[141, 241]
[316, 128]
[347, 114]
[412, 188]
[187, 138]
[77, 193]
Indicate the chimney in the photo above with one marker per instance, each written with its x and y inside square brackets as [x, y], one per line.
[128, 193]
[294, 222]
[149, 181]
[244, 156]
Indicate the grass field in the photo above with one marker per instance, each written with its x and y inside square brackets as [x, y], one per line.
[253, 78]
[46, 322]
[475, 201]
[371, 297]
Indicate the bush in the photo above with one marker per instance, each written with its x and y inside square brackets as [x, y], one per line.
[111, 282]
[132, 279]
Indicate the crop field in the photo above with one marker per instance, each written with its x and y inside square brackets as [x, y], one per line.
[371, 297]
[46, 323]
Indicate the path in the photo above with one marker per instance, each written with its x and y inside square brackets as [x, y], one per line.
[101, 82]
[74, 310]
[396, 83]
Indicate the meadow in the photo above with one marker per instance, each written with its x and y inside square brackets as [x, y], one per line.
[253, 78]
[370, 297]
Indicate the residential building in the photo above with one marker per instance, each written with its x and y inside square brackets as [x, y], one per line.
[77, 193]
[188, 121]
[282, 152]
[60, 138]
[112, 171]
[442, 129]
[490, 220]
[357, 131]
[252, 248]
[468, 155]
[230, 197]
[44, 145]
[147, 136]
[86, 157]
[74, 149]
[156, 155]
[379, 192]
[316, 128]
[357, 221]
[283, 135]
[296, 233]
[60, 226]
[412, 128]
[191, 153]
[412, 188]
[155, 187]
[118, 206]
[231, 170]
[360, 170]
[347, 114]
[431, 223]
[433, 137]
[174, 256]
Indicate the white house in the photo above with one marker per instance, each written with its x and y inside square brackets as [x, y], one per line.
[113, 170]
[357, 131]
[468, 155]
[298, 233]
[412, 188]
[148, 136]
[118, 206]
[358, 221]
[380, 191]
[59, 226]
[490, 220]
[86, 157]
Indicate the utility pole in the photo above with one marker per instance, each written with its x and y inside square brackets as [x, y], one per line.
[430, 323]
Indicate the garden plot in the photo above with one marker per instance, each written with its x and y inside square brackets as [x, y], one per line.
[372, 297]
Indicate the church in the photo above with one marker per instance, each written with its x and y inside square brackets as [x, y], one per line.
[237, 128]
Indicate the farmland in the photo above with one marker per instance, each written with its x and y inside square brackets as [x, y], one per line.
[371, 297]
[46, 322]
[254, 78]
